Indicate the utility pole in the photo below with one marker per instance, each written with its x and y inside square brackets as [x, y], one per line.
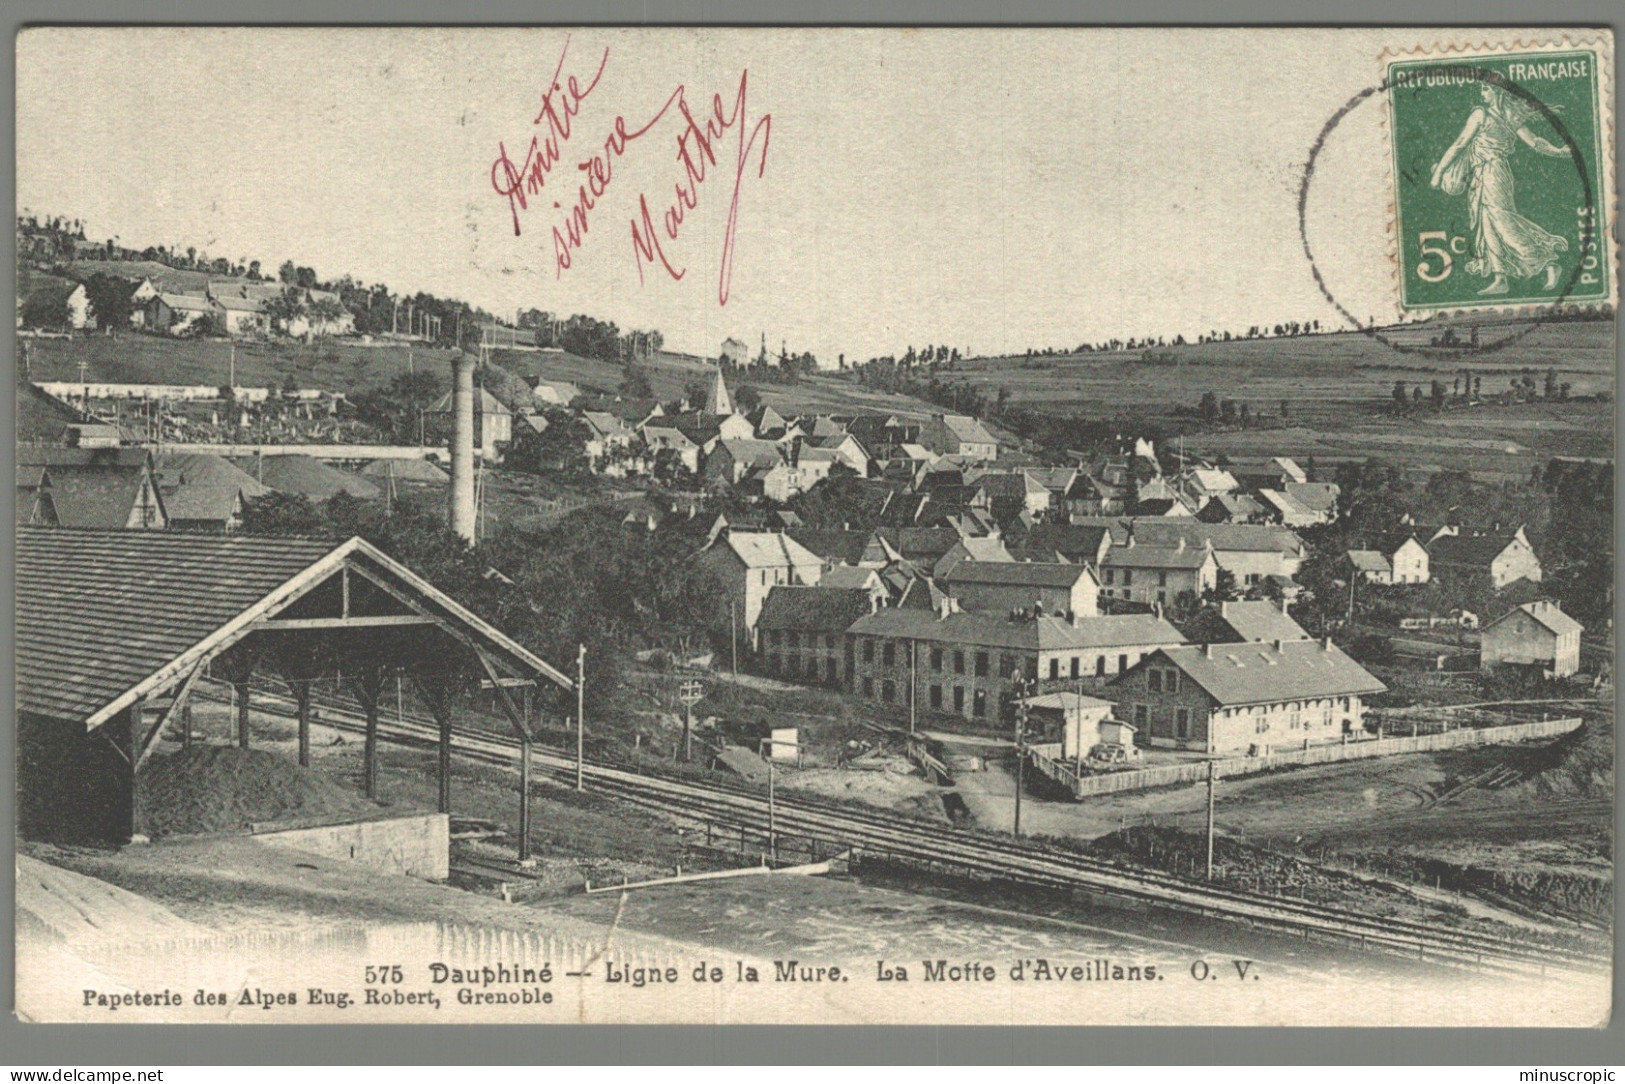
[1212, 778]
[581, 712]
[733, 635]
[913, 683]
[1020, 681]
[231, 371]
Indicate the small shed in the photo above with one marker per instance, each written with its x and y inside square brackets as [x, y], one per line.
[1077, 721]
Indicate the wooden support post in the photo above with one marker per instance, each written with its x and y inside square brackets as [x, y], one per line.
[445, 763]
[129, 741]
[240, 693]
[369, 749]
[527, 707]
[186, 725]
[301, 695]
[368, 684]
[524, 800]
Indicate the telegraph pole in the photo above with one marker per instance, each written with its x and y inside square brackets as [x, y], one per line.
[733, 636]
[581, 712]
[1212, 778]
[1020, 681]
[913, 683]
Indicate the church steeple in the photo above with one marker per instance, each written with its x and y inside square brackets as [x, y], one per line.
[720, 402]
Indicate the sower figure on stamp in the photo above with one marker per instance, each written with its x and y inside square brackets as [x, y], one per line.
[1479, 161]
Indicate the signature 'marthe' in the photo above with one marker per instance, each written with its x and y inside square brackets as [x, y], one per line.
[698, 142]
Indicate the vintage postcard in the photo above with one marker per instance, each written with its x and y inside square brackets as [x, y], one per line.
[815, 526]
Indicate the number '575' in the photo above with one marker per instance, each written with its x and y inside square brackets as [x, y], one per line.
[1431, 247]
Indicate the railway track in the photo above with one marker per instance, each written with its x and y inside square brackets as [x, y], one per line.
[883, 834]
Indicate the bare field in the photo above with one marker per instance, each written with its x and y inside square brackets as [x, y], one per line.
[1343, 368]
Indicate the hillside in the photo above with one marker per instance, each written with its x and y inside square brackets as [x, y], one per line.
[1325, 379]
[144, 359]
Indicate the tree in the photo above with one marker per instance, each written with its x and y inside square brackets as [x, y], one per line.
[747, 399]
[47, 307]
[1401, 397]
[398, 408]
[254, 269]
[1551, 383]
[696, 392]
[635, 384]
[287, 273]
[1209, 407]
[306, 277]
[1436, 394]
[109, 299]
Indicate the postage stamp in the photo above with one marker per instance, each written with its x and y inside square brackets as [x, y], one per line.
[1499, 174]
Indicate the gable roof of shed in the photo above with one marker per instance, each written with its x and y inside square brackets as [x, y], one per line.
[104, 617]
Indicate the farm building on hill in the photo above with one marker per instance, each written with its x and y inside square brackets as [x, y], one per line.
[94, 701]
[1503, 558]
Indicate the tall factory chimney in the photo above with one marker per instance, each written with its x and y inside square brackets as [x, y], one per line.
[461, 510]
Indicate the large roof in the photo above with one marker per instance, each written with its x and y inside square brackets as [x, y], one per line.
[767, 549]
[1017, 573]
[104, 617]
[1039, 634]
[1260, 621]
[201, 469]
[1548, 614]
[1369, 561]
[967, 429]
[845, 547]
[302, 474]
[1473, 550]
[202, 503]
[484, 403]
[1148, 556]
[817, 609]
[1226, 537]
[1262, 673]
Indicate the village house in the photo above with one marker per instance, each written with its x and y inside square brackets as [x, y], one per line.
[1248, 698]
[1198, 484]
[1503, 558]
[802, 631]
[1009, 493]
[1397, 560]
[72, 297]
[957, 434]
[176, 313]
[735, 351]
[846, 449]
[749, 564]
[1536, 634]
[1231, 508]
[90, 487]
[732, 460]
[1265, 471]
[609, 445]
[968, 664]
[1005, 586]
[559, 393]
[493, 422]
[1251, 552]
[1300, 505]
[1158, 574]
[658, 437]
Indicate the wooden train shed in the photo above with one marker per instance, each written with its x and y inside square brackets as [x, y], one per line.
[116, 628]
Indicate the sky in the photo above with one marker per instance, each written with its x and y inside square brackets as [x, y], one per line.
[990, 190]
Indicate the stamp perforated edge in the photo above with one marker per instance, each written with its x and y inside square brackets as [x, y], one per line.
[1607, 197]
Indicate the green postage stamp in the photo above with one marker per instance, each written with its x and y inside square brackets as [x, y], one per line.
[1502, 176]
